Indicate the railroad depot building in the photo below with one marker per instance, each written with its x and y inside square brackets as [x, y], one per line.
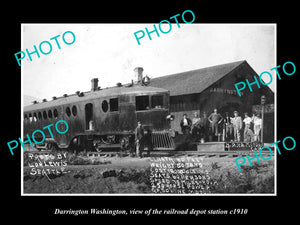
[204, 89]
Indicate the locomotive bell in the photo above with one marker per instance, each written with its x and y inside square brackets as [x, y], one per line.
[146, 80]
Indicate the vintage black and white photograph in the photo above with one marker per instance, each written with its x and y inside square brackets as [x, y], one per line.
[148, 109]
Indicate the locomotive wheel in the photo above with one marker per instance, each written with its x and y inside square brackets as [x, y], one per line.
[124, 143]
[36, 147]
[98, 149]
[52, 146]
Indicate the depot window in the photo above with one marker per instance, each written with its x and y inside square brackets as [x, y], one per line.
[157, 101]
[142, 102]
[114, 104]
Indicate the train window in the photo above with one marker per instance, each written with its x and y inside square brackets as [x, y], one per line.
[45, 115]
[49, 114]
[30, 117]
[142, 102]
[74, 110]
[104, 106]
[113, 104]
[55, 113]
[39, 115]
[34, 117]
[157, 101]
[68, 111]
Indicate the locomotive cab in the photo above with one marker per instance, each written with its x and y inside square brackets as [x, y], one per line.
[152, 110]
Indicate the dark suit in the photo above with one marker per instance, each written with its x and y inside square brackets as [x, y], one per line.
[139, 140]
[228, 128]
[185, 129]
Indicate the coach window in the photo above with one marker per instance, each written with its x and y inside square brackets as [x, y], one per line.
[49, 114]
[113, 104]
[55, 113]
[104, 106]
[74, 110]
[25, 118]
[157, 101]
[142, 102]
[34, 117]
[68, 111]
[44, 115]
[39, 115]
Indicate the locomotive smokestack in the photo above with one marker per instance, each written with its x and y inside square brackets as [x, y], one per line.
[94, 84]
[138, 73]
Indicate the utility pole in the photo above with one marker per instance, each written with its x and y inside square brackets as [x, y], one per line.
[262, 101]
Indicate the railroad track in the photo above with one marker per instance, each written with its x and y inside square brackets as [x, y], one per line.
[162, 153]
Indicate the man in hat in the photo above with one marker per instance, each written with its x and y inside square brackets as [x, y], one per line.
[204, 126]
[185, 124]
[248, 133]
[196, 125]
[237, 126]
[139, 139]
[228, 127]
[257, 126]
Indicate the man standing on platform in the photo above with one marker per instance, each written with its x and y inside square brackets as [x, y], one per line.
[196, 125]
[257, 126]
[185, 124]
[228, 127]
[215, 119]
[248, 133]
[237, 126]
[204, 126]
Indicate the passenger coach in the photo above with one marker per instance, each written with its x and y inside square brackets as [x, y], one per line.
[102, 118]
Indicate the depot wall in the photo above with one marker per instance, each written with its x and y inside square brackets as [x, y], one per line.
[222, 95]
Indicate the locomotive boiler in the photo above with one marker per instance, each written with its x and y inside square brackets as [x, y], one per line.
[103, 118]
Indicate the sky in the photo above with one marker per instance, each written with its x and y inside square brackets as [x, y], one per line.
[110, 53]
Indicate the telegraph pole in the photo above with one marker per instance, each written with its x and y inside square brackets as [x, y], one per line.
[262, 101]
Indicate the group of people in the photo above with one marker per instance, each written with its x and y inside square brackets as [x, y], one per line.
[208, 128]
[229, 128]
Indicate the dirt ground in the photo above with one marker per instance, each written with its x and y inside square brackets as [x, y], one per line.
[115, 175]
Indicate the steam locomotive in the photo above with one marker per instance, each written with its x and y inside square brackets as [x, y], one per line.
[103, 118]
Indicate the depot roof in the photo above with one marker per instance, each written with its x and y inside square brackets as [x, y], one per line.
[194, 81]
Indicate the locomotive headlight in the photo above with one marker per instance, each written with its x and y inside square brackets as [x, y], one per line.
[170, 117]
[75, 141]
